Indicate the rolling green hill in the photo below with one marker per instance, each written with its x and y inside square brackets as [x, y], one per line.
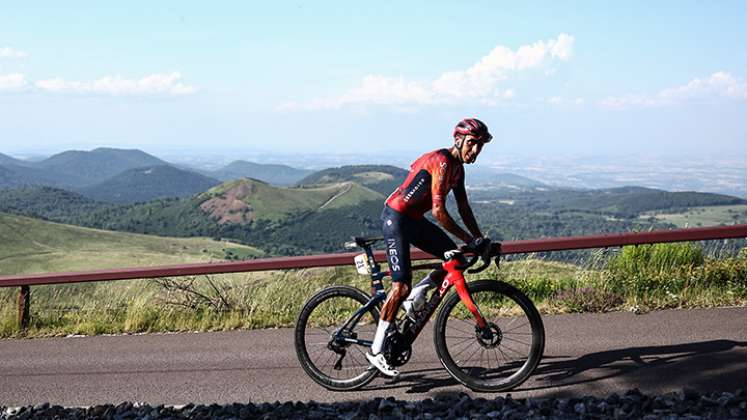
[280, 175]
[280, 220]
[380, 178]
[35, 246]
[246, 200]
[81, 168]
[321, 216]
[148, 183]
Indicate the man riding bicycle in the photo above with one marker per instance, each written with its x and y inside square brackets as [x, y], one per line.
[431, 178]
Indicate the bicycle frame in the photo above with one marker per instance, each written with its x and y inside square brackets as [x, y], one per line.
[454, 277]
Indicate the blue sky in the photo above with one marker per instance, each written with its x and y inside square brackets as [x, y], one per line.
[558, 77]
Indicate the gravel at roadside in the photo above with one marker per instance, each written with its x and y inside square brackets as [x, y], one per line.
[687, 404]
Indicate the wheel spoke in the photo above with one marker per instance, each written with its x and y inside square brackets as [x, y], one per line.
[512, 350]
[460, 330]
[516, 328]
[516, 341]
[330, 311]
[495, 360]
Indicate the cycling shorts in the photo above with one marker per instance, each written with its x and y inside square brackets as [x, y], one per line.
[401, 231]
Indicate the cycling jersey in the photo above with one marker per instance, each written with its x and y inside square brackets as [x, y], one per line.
[431, 178]
[401, 231]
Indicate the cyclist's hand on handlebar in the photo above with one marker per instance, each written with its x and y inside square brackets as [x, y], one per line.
[479, 245]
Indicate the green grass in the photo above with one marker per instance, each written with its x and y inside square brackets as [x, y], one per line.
[372, 177]
[35, 246]
[703, 216]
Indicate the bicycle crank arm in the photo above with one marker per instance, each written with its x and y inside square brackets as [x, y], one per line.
[365, 343]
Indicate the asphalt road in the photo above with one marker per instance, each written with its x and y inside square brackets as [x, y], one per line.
[589, 354]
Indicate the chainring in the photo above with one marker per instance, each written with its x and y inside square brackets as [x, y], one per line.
[397, 349]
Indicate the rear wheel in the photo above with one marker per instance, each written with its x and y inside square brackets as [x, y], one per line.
[500, 357]
[324, 356]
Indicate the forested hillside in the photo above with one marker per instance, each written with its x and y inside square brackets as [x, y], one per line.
[148, 183]
[289, 221]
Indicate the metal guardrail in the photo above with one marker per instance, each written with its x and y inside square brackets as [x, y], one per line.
[328, 260]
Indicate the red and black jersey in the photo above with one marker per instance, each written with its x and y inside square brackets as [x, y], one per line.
[431, 178]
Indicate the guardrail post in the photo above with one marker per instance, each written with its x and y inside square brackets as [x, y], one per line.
[24, 304]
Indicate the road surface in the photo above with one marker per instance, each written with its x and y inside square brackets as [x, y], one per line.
[585, 354]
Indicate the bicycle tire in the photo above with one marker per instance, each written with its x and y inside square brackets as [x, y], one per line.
[320, 374]
[469, 375]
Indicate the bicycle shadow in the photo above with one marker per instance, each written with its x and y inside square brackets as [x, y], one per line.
[715, 364]
[712, 365]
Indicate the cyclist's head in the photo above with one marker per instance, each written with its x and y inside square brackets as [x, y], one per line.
[470, 135]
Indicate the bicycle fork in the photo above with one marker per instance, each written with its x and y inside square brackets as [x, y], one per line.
[455, 277]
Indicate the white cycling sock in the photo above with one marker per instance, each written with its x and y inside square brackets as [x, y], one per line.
[378, 342]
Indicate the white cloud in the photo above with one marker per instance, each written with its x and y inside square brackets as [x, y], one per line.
[8, 52]
[152, 85]
[559, 100]
[479, 82]
[12, 82]
[718, 85]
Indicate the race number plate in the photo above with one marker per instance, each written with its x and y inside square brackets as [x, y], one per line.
[362, 265]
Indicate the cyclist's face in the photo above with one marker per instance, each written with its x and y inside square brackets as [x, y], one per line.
[470, 149]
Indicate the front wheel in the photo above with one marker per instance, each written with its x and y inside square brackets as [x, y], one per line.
[499, 357]
[327, 352]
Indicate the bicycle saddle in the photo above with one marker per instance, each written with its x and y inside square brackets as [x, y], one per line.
[363, 241]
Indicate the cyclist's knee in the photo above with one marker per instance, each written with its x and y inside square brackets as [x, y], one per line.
[400, 290]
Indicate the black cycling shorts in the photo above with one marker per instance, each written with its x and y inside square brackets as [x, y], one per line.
[401, 231]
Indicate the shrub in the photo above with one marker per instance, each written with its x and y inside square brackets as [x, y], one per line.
[641, 269]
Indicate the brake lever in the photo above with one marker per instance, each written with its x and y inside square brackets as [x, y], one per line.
[468, 262]
[495, 250]
[483, 266]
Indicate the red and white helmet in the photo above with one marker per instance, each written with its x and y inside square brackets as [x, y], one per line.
[475, 128]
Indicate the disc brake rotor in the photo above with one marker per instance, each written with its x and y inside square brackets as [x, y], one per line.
[490, 336]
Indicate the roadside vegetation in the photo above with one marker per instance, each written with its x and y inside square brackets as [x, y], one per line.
[636, 278]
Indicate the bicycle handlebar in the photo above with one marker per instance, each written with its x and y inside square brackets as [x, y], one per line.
[494, 250]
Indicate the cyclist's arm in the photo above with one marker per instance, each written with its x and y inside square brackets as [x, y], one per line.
[439, 189]
[444, 219]
[460, 193]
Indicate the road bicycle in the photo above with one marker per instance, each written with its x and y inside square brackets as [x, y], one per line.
[488, 335]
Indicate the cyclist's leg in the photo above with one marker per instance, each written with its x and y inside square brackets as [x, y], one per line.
[397, 230]
[433, 240]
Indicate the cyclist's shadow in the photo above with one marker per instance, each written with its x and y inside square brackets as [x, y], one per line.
[711, 364]
[418, 381]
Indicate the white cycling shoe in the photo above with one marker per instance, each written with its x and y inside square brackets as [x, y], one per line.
[380, 363]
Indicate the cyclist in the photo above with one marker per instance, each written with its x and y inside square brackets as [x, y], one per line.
[431, 178]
